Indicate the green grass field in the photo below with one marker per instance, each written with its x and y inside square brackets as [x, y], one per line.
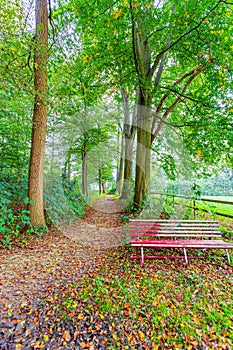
[181, 208]
[217, 207]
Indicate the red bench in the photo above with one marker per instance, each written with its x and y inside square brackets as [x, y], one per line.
[183, 234]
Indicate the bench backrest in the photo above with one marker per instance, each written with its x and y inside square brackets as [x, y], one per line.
[190, 229]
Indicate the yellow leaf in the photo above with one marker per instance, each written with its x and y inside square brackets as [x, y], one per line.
[117, 14]
[80, 317]
[86, 59]
[115, 337]
[18, 347]
[141, 335]
[18, 340]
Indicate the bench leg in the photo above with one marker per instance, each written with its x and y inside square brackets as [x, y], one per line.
[228, 257]
[142, 257]
[185, 256]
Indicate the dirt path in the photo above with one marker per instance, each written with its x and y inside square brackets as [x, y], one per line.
[101, 227]
[27, 273]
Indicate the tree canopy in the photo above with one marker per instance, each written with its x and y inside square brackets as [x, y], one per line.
[148, 71]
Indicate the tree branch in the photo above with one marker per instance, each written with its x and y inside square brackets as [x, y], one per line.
[179, 98]
[160, 54]
[133, 42]
[187, 97]
[165, 96]
[51, 23]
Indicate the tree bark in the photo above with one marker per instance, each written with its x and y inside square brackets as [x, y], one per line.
[84, 174]
[99, 181]
[39, 121]
[128, 134]
[103, 187]
[120, 165]
[143, 153]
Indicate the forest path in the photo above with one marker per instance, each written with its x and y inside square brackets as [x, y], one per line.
[101, 227]
[30, 272]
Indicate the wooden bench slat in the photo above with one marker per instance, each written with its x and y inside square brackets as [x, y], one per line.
[173, 228]
[181, 242]
[155, 224]
[170, 222]
[174, 231]
[174, 235]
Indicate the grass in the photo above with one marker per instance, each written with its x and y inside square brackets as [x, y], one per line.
[217, 207]
[161, 306]
[181, 205]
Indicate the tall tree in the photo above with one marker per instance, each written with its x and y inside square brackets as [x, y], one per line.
[178, 57]
[157, 59]
[39, 121]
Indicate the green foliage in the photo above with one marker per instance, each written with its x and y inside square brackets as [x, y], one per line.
[124, 218]
[227, 232]
[196, 191]
[75, 199]
[13, 186]
[112, 190]
[15, 227]
[62, 201]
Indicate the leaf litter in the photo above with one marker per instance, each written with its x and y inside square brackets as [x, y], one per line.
[73, 291]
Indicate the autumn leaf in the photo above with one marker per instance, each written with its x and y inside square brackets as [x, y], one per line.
[115, 337]
[141, 335]
[76, 333]
[18, 347]
[66, 335]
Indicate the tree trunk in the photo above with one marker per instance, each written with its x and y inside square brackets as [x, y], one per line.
[120, 166]
[69, 172]
[100, 177]
[143, 153]
[103, 187]
[128, 167]
[84, 175]
[39, 121]
[129, 134]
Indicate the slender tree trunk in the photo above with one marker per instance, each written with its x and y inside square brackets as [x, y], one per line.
[103, 187]
[128, 167]
[69, 172]
[100, 177]
[84, 174]
[121, 166]
[39, 121]
[129, 134]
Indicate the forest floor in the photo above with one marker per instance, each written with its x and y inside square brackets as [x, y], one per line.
[77, 289]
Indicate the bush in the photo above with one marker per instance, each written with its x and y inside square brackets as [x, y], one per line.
[15, 226]
[63, 204]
